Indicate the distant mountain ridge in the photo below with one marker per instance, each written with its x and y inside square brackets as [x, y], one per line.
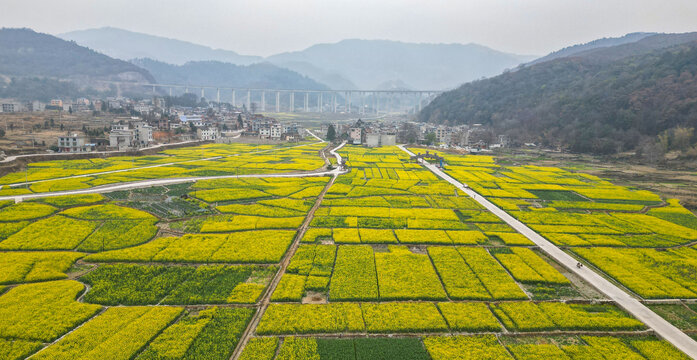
[369, 63]
[126, 45]
[216, 73]
[41, 66]
[348, 64]
[601, 100]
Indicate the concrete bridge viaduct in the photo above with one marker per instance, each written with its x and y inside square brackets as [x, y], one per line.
[271, 100]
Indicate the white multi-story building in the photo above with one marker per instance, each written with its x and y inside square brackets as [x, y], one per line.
[197, 120]
[355, 135]
[142, 133]
[121, 138]
[291, 128]
[9, 107]
[208, 133]
[275, 131]
[74, 143]
[443, 134]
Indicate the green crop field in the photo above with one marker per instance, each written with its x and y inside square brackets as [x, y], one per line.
[383, 261]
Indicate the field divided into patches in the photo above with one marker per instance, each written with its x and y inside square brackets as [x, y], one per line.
[488, 347]
[395, 264]
[393, 250]
[169, 272]
[205, 160]
[645, 243]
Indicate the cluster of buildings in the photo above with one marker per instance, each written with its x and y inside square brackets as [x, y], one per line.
[153, 123]
[270, 128]
[83, 105]
[123, 136]
[371, 134]
[473, 138]
[134, 134]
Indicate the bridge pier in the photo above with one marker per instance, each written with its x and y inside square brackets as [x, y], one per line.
[292, 101]
[170, 92]
[278, 101]
[362, 109]
[263, 101]
[320, 104]
[249, 100]
[307, 101]
[233, 98]
[203, 95]
[217, 96]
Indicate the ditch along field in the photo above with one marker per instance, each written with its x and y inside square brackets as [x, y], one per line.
[205, 160]
[395, 264]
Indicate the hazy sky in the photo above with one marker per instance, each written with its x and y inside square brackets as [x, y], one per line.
[264, 27]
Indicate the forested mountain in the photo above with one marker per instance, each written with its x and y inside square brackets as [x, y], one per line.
[214, 73]
[24, 52]
[332, 79]
[127, 45]
[41, 66]
[603, 100]
[595, 44]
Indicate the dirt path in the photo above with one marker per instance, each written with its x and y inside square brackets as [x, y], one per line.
[266, 299]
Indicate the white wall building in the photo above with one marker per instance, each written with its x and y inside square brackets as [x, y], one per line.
[74, 143]
[121, 139]
[355, 135]
[275, 131]
[208, 133]
[142, 134]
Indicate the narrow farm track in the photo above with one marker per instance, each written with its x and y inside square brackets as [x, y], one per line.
[313, 135]
[155, 166]
[266, 299]
[662, 327]
[15, 157]
[161, 182]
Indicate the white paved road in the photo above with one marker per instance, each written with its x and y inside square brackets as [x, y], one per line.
[313, 135]
[662, 327]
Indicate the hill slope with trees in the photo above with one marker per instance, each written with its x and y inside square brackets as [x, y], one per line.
[215, 73]
[601, 101]
[36, 66]
[24, 52]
